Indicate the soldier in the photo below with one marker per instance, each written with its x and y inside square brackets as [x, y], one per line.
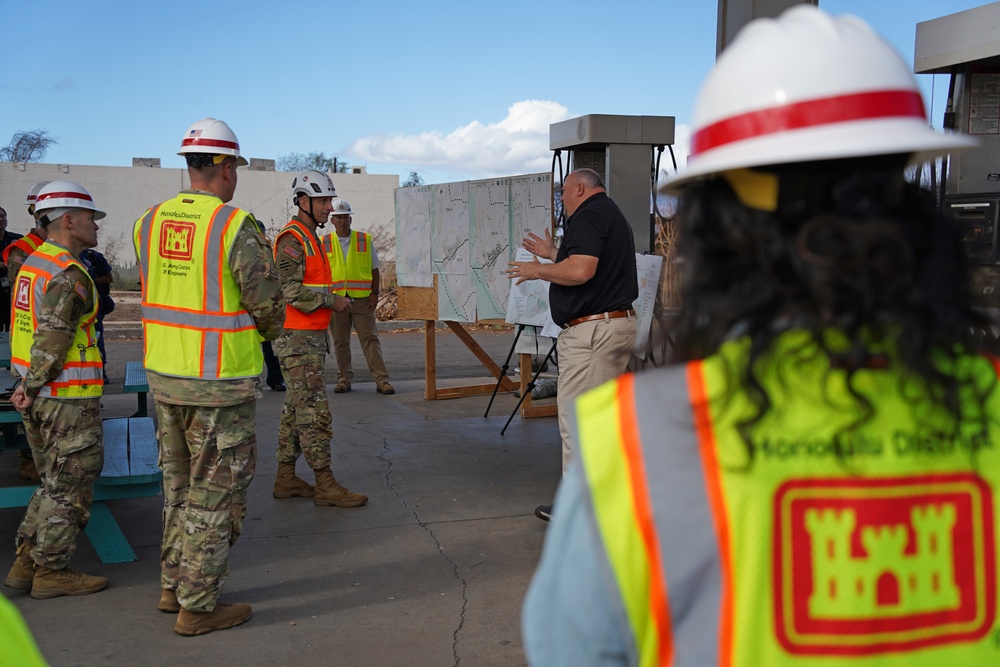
[18, 251]
[13, 257]
[355, 270]
[6, 238]
[306, 424]
[210, 294]
[54, 350]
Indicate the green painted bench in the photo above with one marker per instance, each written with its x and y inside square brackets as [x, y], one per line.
[136, 383]
[130, 471]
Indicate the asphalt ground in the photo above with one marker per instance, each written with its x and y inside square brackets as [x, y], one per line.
[432, 571]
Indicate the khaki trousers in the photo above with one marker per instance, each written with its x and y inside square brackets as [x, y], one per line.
[362, 319]
[590, 354]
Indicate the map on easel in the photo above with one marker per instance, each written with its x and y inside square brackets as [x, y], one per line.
[465, 233]
[529, 301]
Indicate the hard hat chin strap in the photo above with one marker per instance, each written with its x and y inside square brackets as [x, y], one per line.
[310, 213]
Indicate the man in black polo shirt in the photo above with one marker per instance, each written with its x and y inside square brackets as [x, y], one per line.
[593, 284]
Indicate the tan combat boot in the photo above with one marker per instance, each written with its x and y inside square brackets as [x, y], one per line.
[225, 615]
[53, 583]
[287, 485]
[22, 572]
[168, 603]
[329, 492]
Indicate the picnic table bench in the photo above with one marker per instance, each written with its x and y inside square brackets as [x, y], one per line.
[136, 383]
[130, 469]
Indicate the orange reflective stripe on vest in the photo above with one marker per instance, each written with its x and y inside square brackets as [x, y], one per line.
[876, 546]
[82, 372]
[352, 275]
[26, 244]
[615, 469]
[195, 325]
[316, 278]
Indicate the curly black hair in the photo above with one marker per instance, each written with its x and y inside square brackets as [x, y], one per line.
[852, 247]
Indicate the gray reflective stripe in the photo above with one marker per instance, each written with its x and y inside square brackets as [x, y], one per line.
[321, 289]
[691, 564]
[21, 369]
[170, 316]
[214, 256]
[145, 229]
[212, 340]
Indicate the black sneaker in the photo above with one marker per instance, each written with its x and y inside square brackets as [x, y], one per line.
[544, 512]
[278, 386]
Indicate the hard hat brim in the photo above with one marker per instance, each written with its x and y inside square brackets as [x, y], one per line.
[886, 136]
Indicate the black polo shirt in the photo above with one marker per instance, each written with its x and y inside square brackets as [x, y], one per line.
[599, 229]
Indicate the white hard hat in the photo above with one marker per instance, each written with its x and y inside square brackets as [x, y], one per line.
[33, 192]
[314, 183]
[65, 195]
[212, 137]
[341, 207]
[804, 87]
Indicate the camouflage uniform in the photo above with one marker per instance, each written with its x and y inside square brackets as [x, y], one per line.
[65, 434]
[306, 425]
[208, 444]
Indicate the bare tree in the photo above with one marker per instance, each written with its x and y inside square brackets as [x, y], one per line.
[27, 146]
[414, 179]
[314, 160]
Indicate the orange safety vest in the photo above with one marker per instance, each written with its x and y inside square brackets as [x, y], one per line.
[878, 548]
[317, 278]
[27, 244]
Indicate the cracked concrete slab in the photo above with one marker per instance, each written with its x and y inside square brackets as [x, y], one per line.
[431, 572]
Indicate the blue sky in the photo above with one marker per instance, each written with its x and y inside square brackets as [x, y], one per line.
[452, 90]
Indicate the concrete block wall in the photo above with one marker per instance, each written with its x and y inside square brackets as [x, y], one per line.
[126, 192]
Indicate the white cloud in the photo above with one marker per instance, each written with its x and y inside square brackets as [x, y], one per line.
[518, 144]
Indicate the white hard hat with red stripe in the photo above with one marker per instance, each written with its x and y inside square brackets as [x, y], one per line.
[212, 137]
[341, 207]
[805, 87]
[65, 195]
[33, 192]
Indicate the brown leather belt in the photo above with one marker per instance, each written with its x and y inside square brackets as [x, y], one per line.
[610, 315]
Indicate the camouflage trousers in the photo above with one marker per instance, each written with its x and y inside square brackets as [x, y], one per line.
[208, 456]
[306, 425]
[67, 443]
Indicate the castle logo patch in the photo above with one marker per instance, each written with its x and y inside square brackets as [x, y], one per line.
[177, 240]
[867, 566]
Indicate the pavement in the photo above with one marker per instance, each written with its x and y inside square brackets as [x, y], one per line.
[432, 571]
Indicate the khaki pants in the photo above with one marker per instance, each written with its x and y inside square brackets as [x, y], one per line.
[362, 318]
[590, 354]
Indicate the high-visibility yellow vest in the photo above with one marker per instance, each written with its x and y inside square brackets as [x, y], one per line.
[194, 324]
[316, 278]
[882, 555]
[351, 276]
[19, 647]
[82, 374]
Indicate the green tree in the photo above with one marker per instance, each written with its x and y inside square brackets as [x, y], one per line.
[414, 179]
[28, 146]
[314, 160]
